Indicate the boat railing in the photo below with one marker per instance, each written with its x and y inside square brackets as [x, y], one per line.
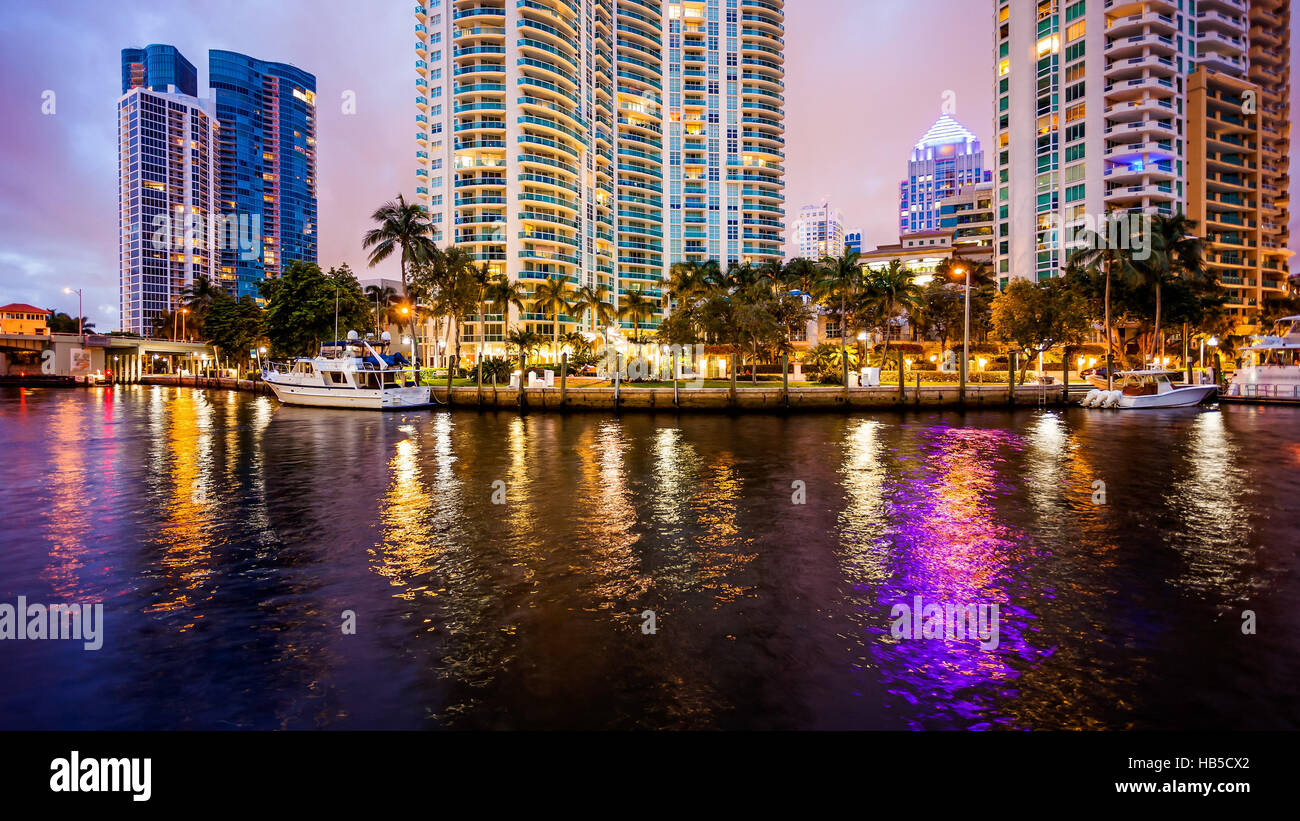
[1266, 391]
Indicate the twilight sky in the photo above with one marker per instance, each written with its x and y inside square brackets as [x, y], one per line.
[865, 78]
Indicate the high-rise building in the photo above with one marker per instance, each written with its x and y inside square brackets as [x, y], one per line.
[947, 157]
[1239, 149]
[156, 67]
[167, 185]
[725, 80]
[1090, 120]
[853, 242]
[267, 113]
[599, 141]
[1167, 128]
[968, 214]
[819, 232]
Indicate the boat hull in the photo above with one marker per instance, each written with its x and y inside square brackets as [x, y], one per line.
[1177, 398]
[351, 399]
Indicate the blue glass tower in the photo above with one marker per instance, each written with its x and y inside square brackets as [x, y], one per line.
[267, 113]
[157, 66]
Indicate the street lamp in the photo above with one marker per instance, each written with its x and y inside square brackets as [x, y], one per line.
[76, 291]
[961, 270]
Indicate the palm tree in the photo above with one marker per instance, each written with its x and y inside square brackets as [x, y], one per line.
[383, 296]
[501, 293]
[481, 275]
[595, 300]
[524, 341]
[403, 228]
[460, 292]
[198, 295]
[801, 274]
[636, 308]
[552, 296]
[1175, 251]
[693, 280]
[841, 278]
[891, 292]
[1099, 255]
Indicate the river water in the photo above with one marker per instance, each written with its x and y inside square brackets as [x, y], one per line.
[646, 571]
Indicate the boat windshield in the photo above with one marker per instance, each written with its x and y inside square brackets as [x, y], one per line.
[1277, 357]
[1141, 384]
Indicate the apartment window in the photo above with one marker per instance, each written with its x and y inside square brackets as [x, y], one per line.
[1075, 193]
[1076, 31]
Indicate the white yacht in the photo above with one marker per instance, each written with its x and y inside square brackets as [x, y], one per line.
[1139, 390]
[354, 373]
[1270, 370]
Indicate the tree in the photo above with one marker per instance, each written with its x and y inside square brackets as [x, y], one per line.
[1101, 257]
[233, 326]
[524, 341]
[690, 281]
[888, 294]
[1038, 317]
[942, 311]
[636, 308]
[481, 276]
[403, 228]
[200, 293]
[552, 297]
[60, 323]
[830, 361]
[752, 323]
[383, 297]
[595, 300]
[840, 283]
[300, 307]
[501, 293]
[1175, 252]
[801, 274]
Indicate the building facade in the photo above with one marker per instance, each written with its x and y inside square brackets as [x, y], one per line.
[968, 214]
[1137, 108]
[853, 242]
[267, 113]
[947, 157]
[167, 188]
[157, 67]
[819, 232]
[599, 142]
[1239, 150]
[1090, 120]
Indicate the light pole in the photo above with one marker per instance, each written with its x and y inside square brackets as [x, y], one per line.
[76, 291]
[184, 314]
[963, 270]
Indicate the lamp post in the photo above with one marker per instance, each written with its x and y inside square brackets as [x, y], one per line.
[963, 270]
[76, 291]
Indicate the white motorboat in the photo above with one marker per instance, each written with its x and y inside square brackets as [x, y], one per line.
[1270, 370]
[1141, 390]
[354, 373]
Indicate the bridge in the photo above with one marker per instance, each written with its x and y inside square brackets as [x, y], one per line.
[72, 355]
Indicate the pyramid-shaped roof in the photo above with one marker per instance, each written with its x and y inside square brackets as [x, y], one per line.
[944, 131]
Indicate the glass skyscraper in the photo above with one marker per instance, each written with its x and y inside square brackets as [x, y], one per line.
[267, 113]
[947, 158]
[156, 67]
[167, 163]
